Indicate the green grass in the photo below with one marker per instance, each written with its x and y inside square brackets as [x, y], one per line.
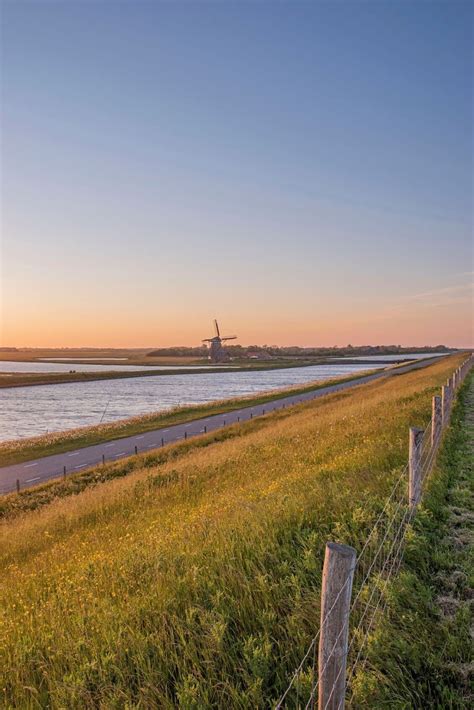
[421, 653]
[195, 582]
[17, 451]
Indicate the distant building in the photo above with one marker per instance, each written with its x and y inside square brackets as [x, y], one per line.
[258, 355]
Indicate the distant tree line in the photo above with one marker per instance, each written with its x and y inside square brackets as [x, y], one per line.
[238, 351]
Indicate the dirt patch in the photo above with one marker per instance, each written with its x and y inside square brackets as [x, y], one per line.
[448, 605]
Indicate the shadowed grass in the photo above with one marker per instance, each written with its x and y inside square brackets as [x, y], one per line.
[420, 654]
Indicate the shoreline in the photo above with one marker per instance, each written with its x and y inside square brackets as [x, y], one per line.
[9, 380]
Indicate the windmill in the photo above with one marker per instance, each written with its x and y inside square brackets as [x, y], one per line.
[216, 351]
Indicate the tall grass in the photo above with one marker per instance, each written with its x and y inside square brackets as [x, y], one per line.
[195, 583]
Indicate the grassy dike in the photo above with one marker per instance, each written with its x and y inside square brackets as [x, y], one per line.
[19, 450]
[195, 582]
[421, 654]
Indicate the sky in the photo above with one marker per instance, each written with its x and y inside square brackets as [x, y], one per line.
[303, 171]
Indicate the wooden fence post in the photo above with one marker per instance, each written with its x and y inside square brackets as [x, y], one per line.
[414, 466]
[338, 575]
[436, 420]
[17, 485]
[445, 404]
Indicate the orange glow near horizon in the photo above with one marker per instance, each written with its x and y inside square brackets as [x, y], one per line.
[408, 324]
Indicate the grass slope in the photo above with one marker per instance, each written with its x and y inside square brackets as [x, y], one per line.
[421, 654]
[195, 583]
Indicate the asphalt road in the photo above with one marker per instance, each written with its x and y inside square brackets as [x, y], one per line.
[32, 473]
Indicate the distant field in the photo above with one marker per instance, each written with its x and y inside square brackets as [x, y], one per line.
[104, 357]
[135, 357]
[195, 582]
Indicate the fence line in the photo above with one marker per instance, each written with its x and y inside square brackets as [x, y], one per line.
[377, 563]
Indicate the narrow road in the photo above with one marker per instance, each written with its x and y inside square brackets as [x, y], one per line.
[32, 473]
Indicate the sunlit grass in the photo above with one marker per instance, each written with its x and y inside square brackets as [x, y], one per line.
[196, 582]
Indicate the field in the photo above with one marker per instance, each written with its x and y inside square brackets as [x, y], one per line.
[196, 582]
[105, 356]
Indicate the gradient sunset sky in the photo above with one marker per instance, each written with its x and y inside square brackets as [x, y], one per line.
[300, 170]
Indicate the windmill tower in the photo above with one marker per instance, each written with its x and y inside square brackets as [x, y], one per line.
[216, 351]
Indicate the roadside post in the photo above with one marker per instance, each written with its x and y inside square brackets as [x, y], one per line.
[436, 420]
[414, 466]
[338, 575]
[445, 404]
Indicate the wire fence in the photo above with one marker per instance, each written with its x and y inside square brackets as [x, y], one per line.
[377, 563]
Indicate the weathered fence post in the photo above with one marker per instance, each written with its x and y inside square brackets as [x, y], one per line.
[414, 466]
[338, 574]
[136, 450]
[445, 404]
[436, 420]
[17, 485]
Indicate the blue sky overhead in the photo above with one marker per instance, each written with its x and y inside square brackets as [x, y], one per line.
[302, 170]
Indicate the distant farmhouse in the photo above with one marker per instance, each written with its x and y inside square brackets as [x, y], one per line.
[258, 355]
